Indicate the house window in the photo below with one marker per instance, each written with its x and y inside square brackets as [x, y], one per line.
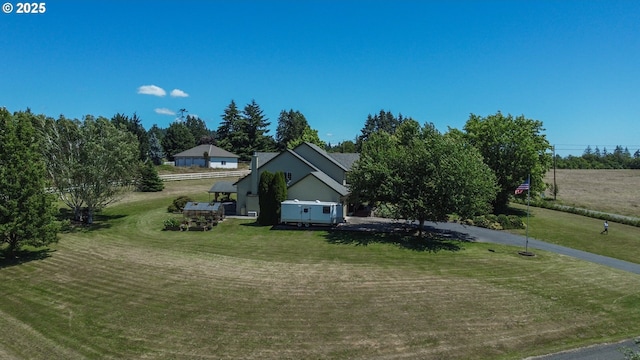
[223, 163]
[326, 210]
[305, 210]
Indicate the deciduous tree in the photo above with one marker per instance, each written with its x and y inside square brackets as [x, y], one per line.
[90, 163]
[423, 174]
[308, 135]
[514, 148]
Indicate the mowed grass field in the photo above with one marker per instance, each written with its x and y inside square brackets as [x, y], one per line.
[128, 290]
[612, 191]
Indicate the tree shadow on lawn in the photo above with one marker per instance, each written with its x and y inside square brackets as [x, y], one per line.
[23, 256]
[430, 241]
[100, 221]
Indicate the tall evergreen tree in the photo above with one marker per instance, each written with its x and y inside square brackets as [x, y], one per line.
[134, 126]
[257, 129]
[149, 180]
[177, 139]
[291, 126]
[230, 122]
[264, 198]
[198, 129]
[155, 150]
[383, 121]
[278, 191]
[157, 131]
[27, 212]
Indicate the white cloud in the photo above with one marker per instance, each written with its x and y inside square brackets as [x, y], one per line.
[329, 134]
[164, 111]
[178, 93]
[151, 90]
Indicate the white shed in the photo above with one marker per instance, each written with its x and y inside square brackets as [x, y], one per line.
[310, 212]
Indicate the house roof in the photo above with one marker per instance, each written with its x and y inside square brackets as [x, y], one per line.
[201, 206]
[323, 153]
[214, 151]
[224, 187]
[346, 159]
[265, 157]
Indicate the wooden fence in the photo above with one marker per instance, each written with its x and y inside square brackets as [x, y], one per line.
[204, 175]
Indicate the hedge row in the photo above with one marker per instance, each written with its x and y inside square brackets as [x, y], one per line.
[580, 211]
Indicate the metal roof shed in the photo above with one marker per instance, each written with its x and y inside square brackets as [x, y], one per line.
[211, 212]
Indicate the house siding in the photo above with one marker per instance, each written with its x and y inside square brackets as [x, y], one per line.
[215, 163]
[310, 188]
[285, 162]
[223, 163]
[189, 161]
[322, 163]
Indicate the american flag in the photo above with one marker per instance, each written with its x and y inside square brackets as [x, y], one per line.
[523, 187]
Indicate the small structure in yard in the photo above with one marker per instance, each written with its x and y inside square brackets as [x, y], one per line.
[203, 213]
[310, 213]
[224, 189]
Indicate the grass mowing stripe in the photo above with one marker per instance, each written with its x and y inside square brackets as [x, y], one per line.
[241, 291]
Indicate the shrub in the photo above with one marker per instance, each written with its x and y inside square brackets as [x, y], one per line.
[385, 211]
[172, 223]
[178, 204]
[487, 221]
[629, 353]
[510, 222]
[515, 222]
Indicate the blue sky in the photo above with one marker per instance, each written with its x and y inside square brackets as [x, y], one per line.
[574, 65]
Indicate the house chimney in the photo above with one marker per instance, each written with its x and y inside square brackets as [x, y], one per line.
[255, 179]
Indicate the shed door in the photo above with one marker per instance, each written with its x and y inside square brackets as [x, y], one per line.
[305, 215]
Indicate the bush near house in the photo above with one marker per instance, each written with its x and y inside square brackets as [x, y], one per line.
[178, 204]
[172, 224]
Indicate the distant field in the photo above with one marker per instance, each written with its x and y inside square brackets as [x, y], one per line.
[613, 191]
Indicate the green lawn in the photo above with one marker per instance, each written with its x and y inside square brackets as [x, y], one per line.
[129, 290]
[579, 232]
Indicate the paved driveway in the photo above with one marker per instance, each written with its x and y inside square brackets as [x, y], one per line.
[473, 233]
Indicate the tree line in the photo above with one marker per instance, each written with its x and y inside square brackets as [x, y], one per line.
[594, 158]
[241, 132]
[422, 173]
